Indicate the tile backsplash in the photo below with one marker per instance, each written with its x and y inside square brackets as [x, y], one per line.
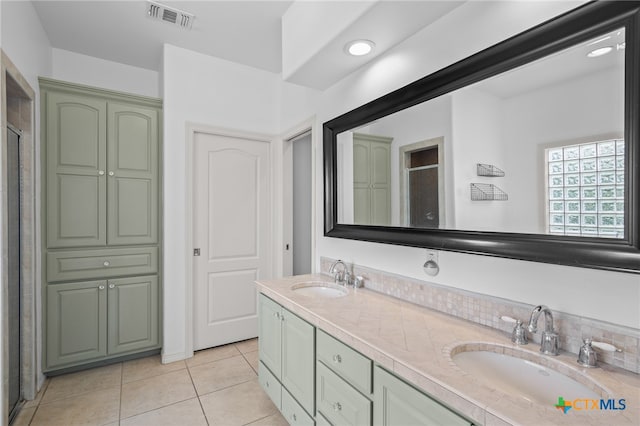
[487, 310]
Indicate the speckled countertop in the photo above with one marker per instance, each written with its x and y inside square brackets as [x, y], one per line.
[417, 344]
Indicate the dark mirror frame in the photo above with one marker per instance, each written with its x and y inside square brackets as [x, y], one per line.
[573, 27]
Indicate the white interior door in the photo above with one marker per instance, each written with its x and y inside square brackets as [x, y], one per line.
[232, 229]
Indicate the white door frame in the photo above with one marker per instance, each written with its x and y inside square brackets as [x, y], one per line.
[31, 239]
[191, 130]
[283, 235]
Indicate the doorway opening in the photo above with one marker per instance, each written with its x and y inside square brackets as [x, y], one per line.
[13, 286]
[302, 178]
[422, 184]
[298, 190]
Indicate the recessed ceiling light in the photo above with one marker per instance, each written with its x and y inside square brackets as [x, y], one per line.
[599, 52]
[359, 47]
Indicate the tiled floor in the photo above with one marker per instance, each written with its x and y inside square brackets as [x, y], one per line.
[217, 386]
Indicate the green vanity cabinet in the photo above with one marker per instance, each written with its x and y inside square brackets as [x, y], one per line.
[90, 320]
[398, 403]
[287, 350]
[101, 177]
[350, 389]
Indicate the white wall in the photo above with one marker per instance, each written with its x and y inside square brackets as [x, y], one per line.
[25, 41]
[608, 296]
[477, 138]
[83, 69]
[214, 92]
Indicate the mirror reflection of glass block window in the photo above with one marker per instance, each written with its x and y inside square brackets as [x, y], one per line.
[585, 189]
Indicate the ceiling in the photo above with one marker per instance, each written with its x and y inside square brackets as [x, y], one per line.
[245, 32]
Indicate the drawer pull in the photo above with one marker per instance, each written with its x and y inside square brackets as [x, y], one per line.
[337, 406]
[337, 359]
[106, 263]
[294, 418]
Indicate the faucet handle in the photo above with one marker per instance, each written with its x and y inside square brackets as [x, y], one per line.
[358, 281]
[587, 356]
[519, 334]
[605, 346]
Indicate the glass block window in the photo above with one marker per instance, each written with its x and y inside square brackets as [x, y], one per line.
[585, 189]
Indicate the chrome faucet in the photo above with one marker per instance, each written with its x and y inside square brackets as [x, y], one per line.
[549, 340]
[340, 277]
[345, 277]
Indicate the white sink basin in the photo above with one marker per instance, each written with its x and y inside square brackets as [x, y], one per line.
[319, 289]
[517, 376]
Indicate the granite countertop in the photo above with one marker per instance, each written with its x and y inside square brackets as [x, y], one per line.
[417, 343]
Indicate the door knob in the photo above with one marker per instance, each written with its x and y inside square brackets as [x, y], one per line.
[111, 173]
[101, 172]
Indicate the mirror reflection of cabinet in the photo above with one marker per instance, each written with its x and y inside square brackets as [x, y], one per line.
[371, 179]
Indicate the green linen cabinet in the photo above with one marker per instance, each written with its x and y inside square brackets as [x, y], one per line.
[101, 215]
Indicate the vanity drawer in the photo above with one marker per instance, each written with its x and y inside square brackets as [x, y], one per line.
[103, 263]
[340, 403]
[270, 384]
[293, 412]
[354, 367]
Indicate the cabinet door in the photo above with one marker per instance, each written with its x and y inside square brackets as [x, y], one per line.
[132, 174]
[298, 353]
[133, 314]
[397, 403]
[76, 161]
[76, 322]
[270, 332]
[380, 183]
[361, 183]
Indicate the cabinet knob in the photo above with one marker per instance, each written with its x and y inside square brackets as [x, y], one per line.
[106, 263]
[276, 314]
[101, 172]
[294, 418]
[112, 286]
[100, 287]
[111, 173]
[337, 359]
[337, 406]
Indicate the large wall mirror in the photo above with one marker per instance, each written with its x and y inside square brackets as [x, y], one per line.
[529, 150]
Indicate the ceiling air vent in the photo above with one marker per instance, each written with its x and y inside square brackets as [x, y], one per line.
[169, 14]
